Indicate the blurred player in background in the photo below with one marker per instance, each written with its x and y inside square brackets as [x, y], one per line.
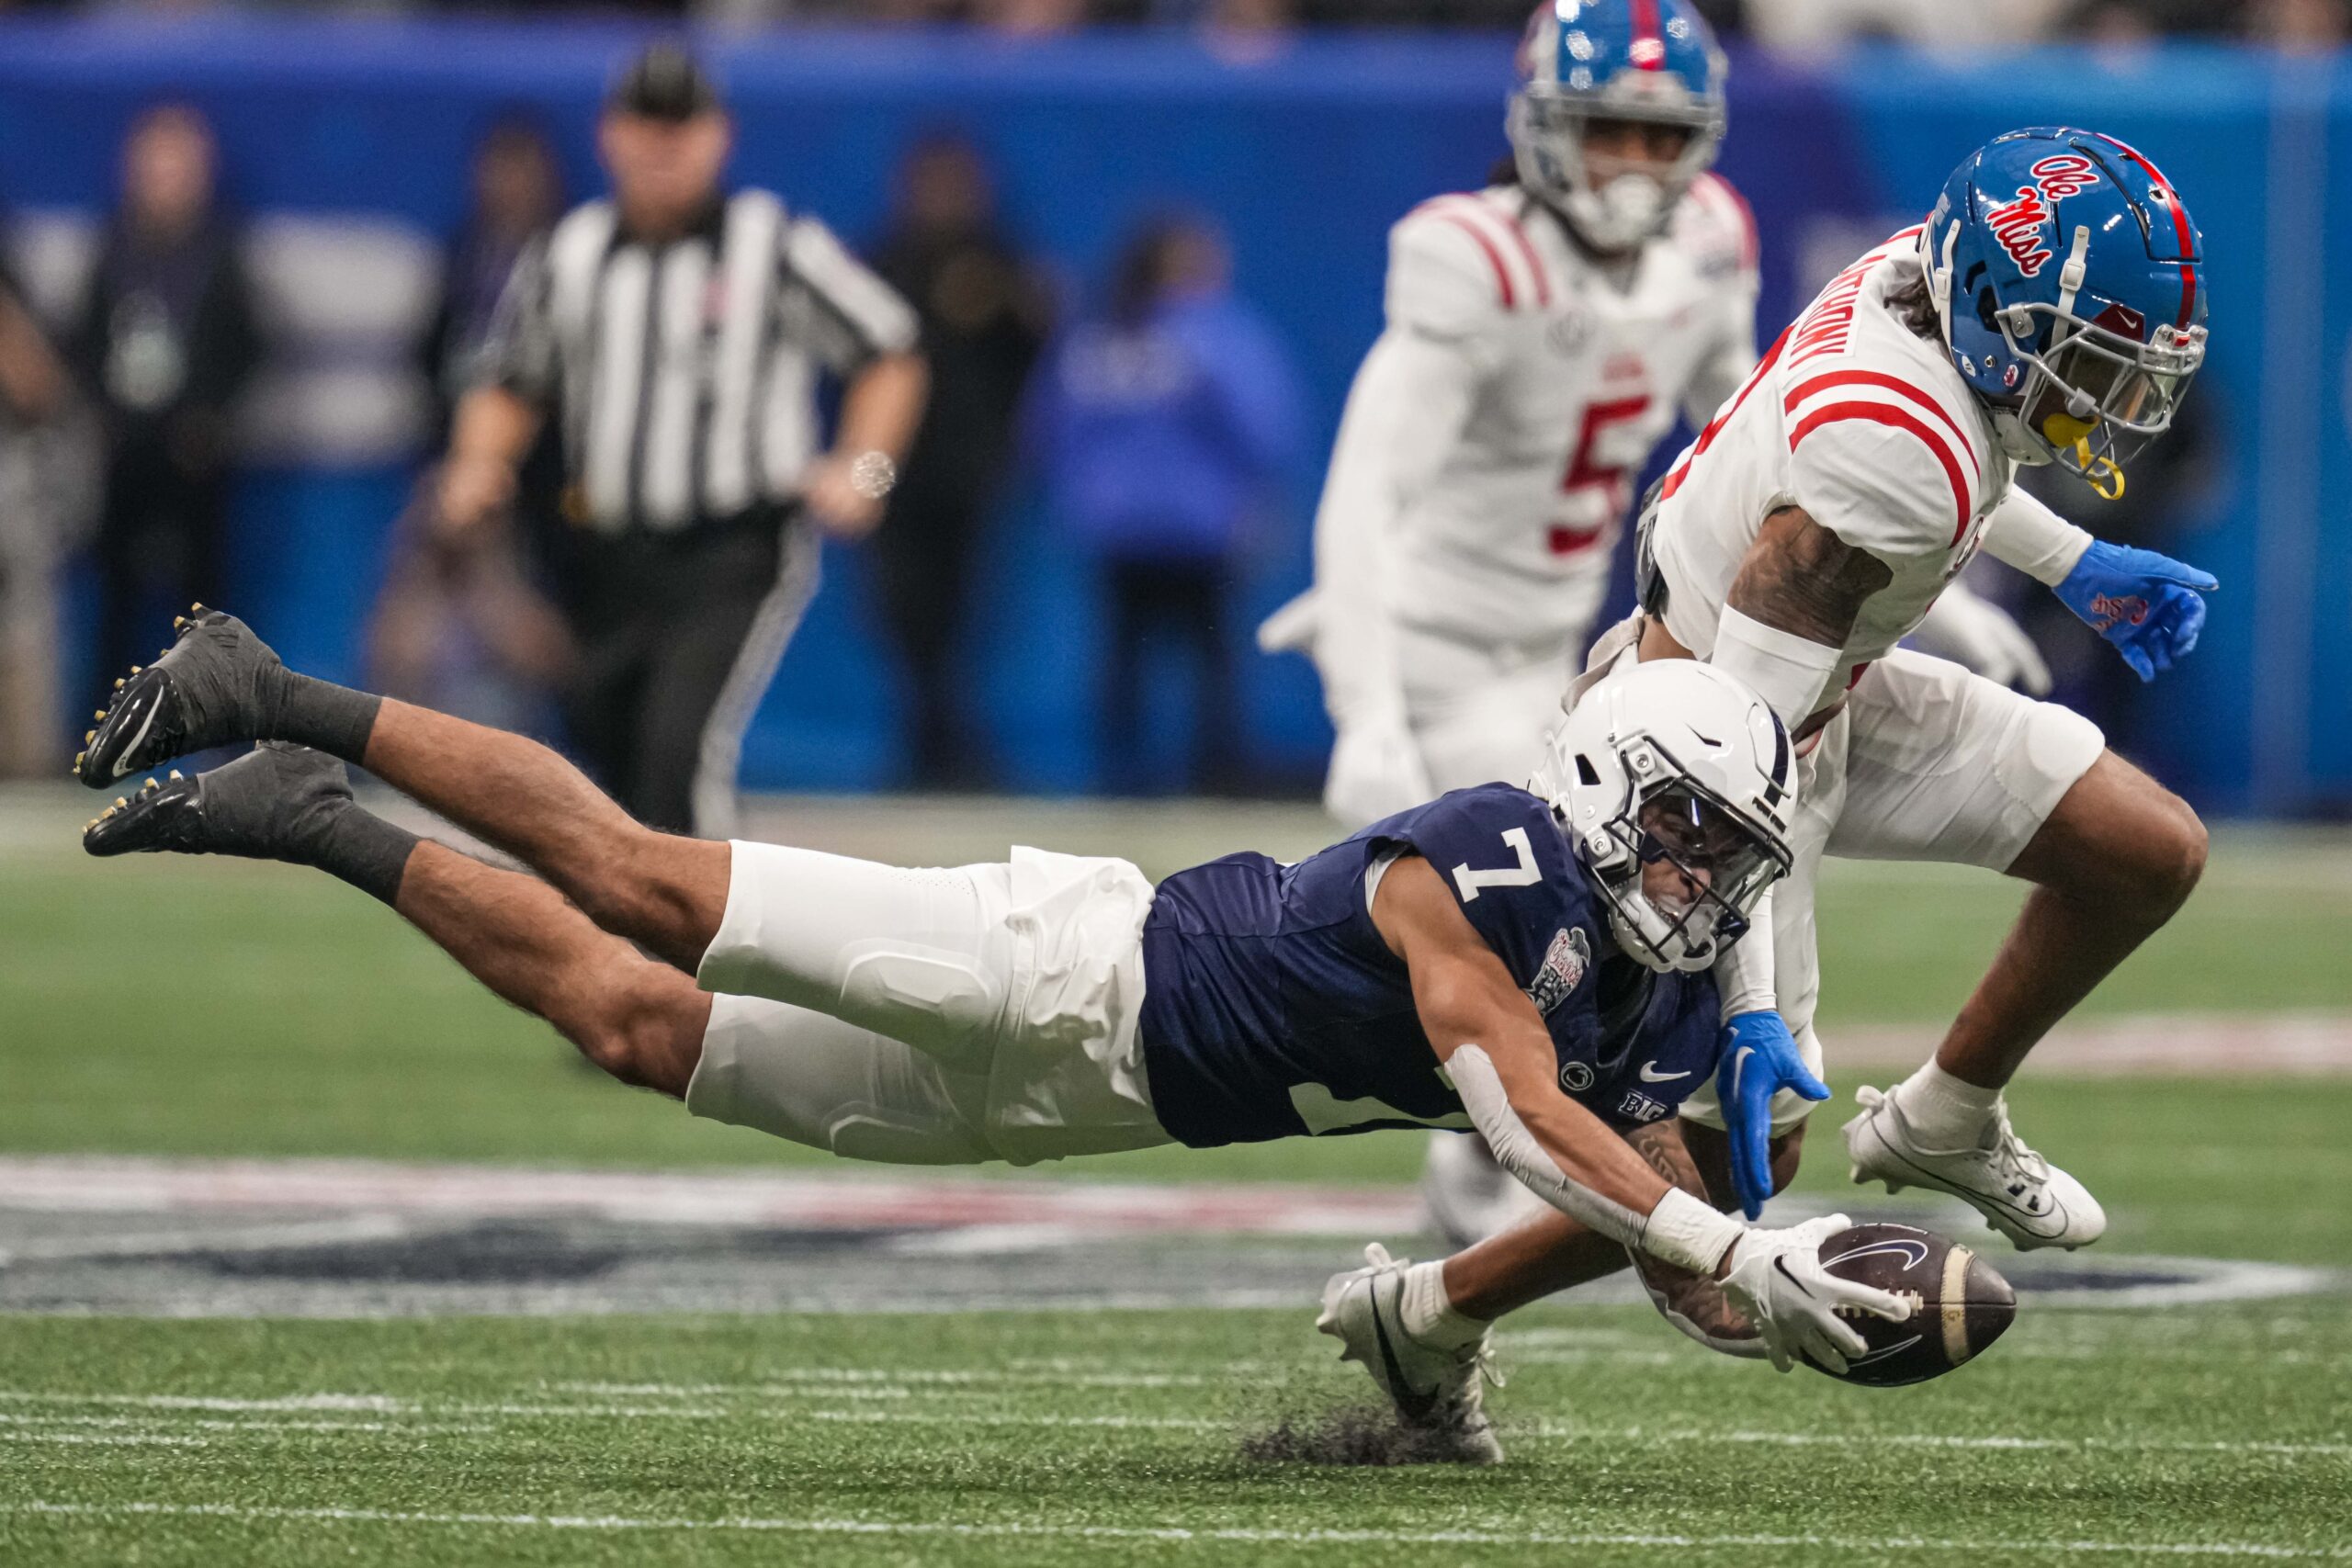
[1542, 337]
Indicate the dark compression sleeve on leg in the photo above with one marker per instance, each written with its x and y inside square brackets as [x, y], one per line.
[364, 849]
[334, 719]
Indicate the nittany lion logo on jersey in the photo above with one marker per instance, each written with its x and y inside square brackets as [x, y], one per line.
[1565, 962]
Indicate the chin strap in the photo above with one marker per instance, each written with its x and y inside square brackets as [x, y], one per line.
[2104, 475]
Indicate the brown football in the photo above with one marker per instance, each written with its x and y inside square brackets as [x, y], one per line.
[1963, 1304]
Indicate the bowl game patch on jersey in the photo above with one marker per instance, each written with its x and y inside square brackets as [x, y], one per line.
[1565, 962]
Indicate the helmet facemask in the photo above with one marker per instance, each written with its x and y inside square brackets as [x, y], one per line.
[1627, 205]
[2093, 395]
[1679, 868]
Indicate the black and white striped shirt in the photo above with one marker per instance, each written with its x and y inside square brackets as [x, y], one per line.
[684, 374]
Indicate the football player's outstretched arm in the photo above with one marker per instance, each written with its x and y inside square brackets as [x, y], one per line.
[1495, 1046]
[1499, 1056]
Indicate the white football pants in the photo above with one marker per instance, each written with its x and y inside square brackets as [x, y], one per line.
[929, 1017]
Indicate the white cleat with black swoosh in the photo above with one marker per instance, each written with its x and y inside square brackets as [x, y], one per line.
[2021, 1194]
[1441, 1392]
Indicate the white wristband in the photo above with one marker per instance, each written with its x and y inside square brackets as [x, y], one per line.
[2027, 535]
[1746, 975]
[1790, 672]
[1688, 1234]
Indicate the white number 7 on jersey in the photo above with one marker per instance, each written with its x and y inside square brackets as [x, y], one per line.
[1469, 882]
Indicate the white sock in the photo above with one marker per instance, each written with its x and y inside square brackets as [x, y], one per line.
[1945, 1111]
[1429, 1317]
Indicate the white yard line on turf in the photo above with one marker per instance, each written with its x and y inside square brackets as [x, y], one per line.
[1541, 1430]
[789, 1380]
[109, 1439]
[264, 1424]
[1176, 1534]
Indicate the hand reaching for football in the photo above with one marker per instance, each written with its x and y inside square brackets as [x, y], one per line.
[1776, 1278]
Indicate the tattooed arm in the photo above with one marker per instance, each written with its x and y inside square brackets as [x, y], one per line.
[1786, 619]
[1691, 1303]
[1801, 579]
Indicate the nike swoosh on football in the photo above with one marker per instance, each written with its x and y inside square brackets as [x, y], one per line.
[1651, 1075]
[1411, 1404]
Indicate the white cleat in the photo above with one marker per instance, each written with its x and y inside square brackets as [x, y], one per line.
[2021, 1194]
[1438, 1391]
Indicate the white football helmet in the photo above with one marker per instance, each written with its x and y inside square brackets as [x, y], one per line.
[1673, 762]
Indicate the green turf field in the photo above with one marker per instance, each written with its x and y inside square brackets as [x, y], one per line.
[206, 1010]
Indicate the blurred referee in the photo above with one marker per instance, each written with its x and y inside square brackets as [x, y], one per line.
[676, 334]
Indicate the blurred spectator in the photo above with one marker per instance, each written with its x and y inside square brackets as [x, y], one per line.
[675, 333]
[984, 319]
[167, 343]
[42, 478]
[1161, 426]
[2133, 22]
[461, 626]
[1031, 17]
[2301, 26]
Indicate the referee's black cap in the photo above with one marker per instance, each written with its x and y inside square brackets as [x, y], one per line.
[663, 82]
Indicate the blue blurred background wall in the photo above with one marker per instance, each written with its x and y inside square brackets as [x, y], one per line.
[1307, 155]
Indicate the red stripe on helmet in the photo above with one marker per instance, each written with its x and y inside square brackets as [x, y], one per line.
[1646, 31]
[2179, 224]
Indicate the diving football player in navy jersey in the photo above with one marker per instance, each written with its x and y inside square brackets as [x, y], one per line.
[1529, 965]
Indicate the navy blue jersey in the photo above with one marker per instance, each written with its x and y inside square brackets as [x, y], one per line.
[1272, 1007]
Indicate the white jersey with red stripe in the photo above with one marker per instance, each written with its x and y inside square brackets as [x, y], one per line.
[1863, 425]
[1578, 370]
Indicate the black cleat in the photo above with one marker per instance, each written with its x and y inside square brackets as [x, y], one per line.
[274, 803]
[217, 685]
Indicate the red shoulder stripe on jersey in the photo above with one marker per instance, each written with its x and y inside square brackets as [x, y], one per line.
[1722, 416]
[1899, 419]
[1649, 48]
[1494, 257]
[1535, 263]
[1749, 249]
[1816, 385]
[2179, 224]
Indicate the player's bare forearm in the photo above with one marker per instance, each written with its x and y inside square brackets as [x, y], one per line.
[667, 892]
[640, 1020]
[1800, 578]
[883, 405]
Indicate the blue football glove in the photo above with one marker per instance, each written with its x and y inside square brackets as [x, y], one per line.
[2150, 606]
[1760, 1059]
